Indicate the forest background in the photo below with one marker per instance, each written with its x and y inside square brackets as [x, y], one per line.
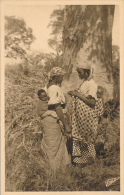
[25, 73]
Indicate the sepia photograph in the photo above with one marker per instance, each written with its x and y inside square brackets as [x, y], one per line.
[61, 96]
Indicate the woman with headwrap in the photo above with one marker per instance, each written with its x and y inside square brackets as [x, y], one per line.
[84, 116]
[53, 142]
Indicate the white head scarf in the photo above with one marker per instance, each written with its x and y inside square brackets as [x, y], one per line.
[84, 64]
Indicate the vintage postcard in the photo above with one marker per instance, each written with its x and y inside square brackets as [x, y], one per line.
[62, 97]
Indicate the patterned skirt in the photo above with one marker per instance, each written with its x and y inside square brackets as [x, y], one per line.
[84, 130]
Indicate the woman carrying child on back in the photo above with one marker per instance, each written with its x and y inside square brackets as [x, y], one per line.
[53, 142]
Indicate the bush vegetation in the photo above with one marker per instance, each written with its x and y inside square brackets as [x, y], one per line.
[26, 167]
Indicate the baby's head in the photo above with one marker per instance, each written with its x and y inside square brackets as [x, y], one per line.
[100, 91]
[42, 95]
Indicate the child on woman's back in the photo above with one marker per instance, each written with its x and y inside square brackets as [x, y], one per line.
[100, 91]
[99, 104]
[42, 105]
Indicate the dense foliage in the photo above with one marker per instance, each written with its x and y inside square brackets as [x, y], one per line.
[18, 37]
[56, 24]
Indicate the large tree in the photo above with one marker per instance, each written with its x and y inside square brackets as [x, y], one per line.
[18, 37]
[87, 35]
[56, 24]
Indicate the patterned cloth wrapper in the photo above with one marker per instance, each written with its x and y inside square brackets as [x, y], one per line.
[53, 144]
[84, 128]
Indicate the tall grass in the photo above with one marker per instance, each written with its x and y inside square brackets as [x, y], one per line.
[26, 167]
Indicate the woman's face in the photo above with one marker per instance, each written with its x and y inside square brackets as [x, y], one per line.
[59, 79]
[80, 72]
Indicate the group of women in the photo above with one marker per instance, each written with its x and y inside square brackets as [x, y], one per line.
[84, 120]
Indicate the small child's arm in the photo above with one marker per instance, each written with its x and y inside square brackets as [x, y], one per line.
[39, 109]
[49, 113]
[45, 114]
[89, 97]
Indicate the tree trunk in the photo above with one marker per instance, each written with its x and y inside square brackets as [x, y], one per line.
[88, 35]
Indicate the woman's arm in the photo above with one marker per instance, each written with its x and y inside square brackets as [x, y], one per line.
[68, 116]
[89, 102]
[60, 114]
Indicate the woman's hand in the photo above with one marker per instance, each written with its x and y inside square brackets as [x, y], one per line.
[74, 93]
[90, 102]
[67, 129]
